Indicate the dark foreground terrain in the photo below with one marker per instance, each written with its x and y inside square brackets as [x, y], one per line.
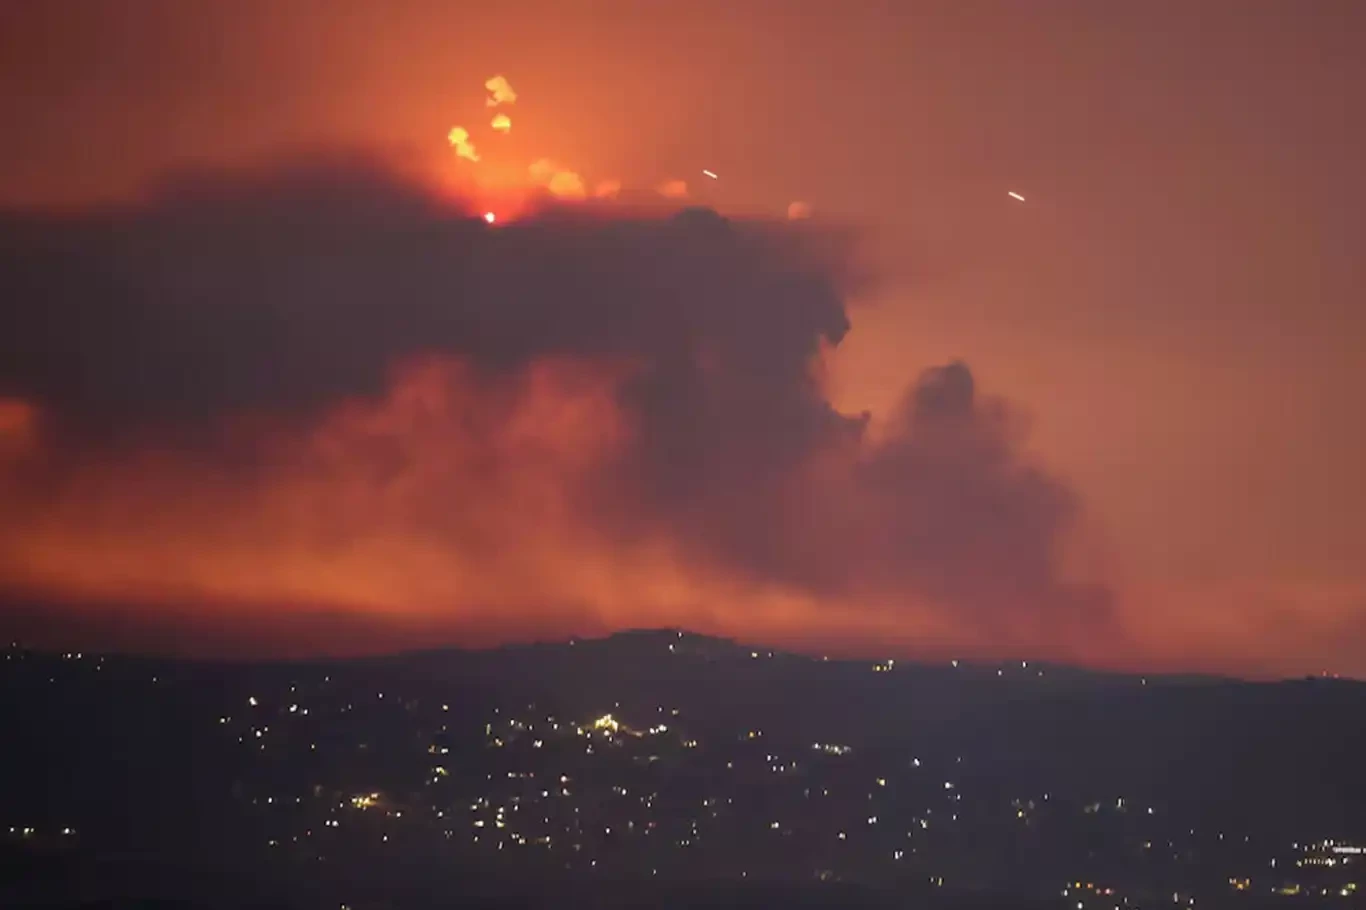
[662, 769]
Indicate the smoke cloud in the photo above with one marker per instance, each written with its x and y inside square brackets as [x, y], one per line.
[318, 385]
[558, 181]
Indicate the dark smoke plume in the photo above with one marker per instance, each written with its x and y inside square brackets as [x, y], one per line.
[283, 291]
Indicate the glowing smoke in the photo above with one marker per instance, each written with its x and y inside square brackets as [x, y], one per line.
[500, 91]
[562, 183]
[459, 138]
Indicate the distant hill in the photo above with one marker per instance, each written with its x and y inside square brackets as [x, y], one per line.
[1263, 752]
[180, 772]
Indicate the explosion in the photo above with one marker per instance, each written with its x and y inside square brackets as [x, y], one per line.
[459, 138]
[558, 181]
[545, 173]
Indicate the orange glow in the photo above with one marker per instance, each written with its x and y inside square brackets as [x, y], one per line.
[563, 184]
[16, 417]
[673, 189]
[796, 211]
[544, 173]
[454, 509]
[450, 503]
[607, 189]
[18, 426]
[566, 185]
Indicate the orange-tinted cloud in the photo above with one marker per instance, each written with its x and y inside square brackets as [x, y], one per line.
[607, 189]
[560, 182]
[328, 390]
[321, 393]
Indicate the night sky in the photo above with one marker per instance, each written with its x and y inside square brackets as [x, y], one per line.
[270, 385]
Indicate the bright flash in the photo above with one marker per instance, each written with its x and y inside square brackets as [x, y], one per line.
[490, 218]
[1016, 196]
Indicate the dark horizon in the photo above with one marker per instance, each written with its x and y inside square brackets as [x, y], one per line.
[249, 653]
